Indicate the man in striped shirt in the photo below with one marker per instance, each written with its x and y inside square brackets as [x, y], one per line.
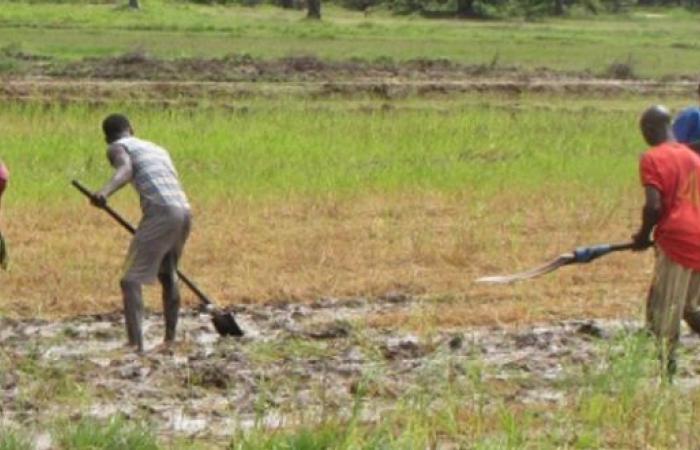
[160, 236]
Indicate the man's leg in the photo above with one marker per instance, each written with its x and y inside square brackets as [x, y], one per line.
[133, 312]
[691, 314]
[153, 240]
[167, 276]
[665, 306]
[171, 295]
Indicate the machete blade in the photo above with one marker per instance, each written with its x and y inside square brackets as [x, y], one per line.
[556, 263]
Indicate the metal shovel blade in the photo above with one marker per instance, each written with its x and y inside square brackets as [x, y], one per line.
[225, 324]
[562, 260]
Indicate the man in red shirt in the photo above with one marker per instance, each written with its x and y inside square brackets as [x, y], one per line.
[670, 174]
[4, 178]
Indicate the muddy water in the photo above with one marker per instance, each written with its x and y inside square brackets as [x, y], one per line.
[297, 363]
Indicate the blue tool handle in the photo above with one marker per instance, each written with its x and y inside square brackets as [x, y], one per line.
[588, 254]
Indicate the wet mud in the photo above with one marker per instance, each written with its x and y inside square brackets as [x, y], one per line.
[297, 363]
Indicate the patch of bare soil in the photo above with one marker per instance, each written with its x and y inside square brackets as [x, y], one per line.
[142, 78]
[140, 66]
[298, 362]
[228, 94]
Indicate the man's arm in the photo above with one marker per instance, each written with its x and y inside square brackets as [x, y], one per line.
[123, 173]
[651, 213]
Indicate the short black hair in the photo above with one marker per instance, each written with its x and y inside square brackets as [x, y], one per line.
[114, 126]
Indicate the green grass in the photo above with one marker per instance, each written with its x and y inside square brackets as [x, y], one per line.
[12, 440]
[620, 402]
[656, 46]
[282, 149]
[115, 434]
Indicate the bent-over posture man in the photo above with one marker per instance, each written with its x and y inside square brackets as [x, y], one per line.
[670, 174]
[4, 178]
[160, 237]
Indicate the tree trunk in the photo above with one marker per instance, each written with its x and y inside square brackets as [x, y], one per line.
[287, 4]
[465, 8]
[314, 9]
[558, 7]
[134, 4]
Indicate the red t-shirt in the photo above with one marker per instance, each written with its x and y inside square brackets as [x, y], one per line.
[4, 177]
[674, 170]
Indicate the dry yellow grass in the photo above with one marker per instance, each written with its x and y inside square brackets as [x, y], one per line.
[66, 259]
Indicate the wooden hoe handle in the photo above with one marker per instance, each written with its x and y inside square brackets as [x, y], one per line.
[116, 216]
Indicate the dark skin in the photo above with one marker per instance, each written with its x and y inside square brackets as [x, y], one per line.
[651, 212]
[123, 171]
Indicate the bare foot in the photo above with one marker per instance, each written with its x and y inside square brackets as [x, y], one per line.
[164, 348]
[127, 351]
[133, 347]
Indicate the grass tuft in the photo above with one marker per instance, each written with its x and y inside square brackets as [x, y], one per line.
[115, 434]
[13, 440]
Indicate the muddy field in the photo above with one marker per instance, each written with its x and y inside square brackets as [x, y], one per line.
[301, 363]
[297, 364]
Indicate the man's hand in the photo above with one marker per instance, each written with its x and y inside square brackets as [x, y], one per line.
[641, 241]
[120, 160]
[98, 199]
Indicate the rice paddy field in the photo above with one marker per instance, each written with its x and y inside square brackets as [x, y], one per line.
[349, 180]
[300, 199]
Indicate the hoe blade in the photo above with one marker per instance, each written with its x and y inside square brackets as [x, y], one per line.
[225, 324]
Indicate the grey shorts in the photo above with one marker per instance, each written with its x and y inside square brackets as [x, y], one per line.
[157, 244]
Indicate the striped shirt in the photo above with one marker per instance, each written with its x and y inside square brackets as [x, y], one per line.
[154, 175]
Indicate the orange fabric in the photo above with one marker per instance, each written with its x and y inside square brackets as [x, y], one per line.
[674, 170]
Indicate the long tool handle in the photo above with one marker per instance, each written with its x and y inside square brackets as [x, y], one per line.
[588, 254]
[622, 246]
[116, 216]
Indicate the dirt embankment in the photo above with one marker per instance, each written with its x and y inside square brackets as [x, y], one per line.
[139, 77]
[244, 68]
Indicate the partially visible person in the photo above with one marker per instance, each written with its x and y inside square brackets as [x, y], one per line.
[670, 174]
[4, 178]
[686, 126]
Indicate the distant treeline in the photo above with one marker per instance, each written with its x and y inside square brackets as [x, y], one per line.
[483, 9]
[477, 9]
